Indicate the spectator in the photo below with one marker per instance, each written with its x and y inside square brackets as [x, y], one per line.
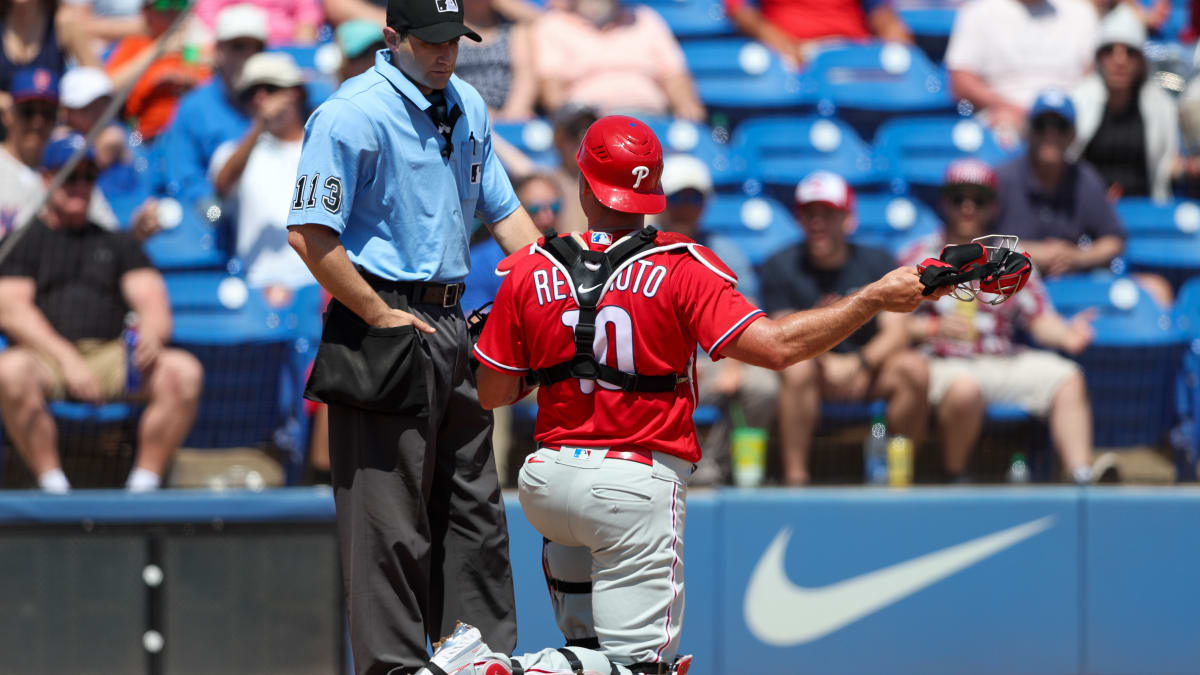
[34, 110]
[358, 40]
[29, 39]
[86, 94]
[97, 24]
[258, 173]
[570, 124]
[872, 363]
[794, 27]
[688, 186]
[1127, 126]
[1187, 169]
[976, 360]
[614, 58]
[1002, 53]
[65, 290]
[211, 115]
[158, 81]
[340, 11]
[289, 22]
[1153, 15]
[500, 67]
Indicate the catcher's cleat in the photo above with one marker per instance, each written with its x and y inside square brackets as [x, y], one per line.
[457, 654]
[989, 269]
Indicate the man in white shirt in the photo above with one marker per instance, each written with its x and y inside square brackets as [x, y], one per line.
[1002, 53]
[258, 172]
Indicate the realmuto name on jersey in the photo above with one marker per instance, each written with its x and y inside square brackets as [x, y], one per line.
[643, 278]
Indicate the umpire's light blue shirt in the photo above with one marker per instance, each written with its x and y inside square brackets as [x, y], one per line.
[372, 170]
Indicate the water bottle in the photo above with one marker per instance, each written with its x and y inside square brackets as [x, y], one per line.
[900, 461]
[1018, 469]
[748, 451]
[133, 376]
[875, 453]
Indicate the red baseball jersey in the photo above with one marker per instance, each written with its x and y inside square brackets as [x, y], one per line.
[649, 320]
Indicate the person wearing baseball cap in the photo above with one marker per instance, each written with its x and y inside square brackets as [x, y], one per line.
[86, 94]
[211, 114]
[34, 111]
[975, 359]
[394, 169]
[358, 40]
[872, 363]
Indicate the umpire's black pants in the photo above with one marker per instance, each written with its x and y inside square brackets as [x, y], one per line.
[424, 541]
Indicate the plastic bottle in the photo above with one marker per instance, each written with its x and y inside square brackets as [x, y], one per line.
[748, 450]
[875, 453]
[1018, 469]
[900, 461]
[133, 376]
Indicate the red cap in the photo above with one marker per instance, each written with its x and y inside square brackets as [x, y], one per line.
[622, 161]
[970, 172]
[825, 187]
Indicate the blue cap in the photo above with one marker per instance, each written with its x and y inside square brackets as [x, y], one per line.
[58, 151]
[34, 83]
[1053, 101]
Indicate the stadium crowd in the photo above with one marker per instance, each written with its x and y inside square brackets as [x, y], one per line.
[211, 101]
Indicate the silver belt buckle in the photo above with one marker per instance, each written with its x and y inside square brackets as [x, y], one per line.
[452, 294]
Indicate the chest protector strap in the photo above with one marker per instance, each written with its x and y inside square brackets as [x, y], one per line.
[588, 273]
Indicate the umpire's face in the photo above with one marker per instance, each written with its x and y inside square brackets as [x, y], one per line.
[429, 63]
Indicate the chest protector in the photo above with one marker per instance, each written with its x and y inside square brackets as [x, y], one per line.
[589, 273]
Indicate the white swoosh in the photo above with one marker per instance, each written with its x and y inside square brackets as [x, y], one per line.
[589, 288]
[781, 613]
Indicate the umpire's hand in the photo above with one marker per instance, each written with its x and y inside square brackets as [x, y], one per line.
[399, 317]
[901, 290]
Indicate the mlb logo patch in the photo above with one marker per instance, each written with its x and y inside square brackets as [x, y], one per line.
[446, 5]
[601, 238]
[476, 172]
[583, 453]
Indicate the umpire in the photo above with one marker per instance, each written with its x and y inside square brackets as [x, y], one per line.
[395, 166]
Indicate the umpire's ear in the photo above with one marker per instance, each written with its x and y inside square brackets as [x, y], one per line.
[393, 38]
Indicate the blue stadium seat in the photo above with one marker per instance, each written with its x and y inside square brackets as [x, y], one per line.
[781, 151]
[685, 137]
[760, 225]
[693, 18]
[191, 244]
[1187, 383]
[892, 222]
[918, 150]
[1144, 217]
[1132, 363]
[929, 17]
[1163, 237]
[535, 138]
[869, 83]
[736, 76]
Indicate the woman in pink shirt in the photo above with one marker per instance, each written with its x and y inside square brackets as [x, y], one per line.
[289, 21]
[599, 53]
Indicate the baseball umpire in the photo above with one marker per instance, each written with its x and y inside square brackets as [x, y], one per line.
[395, 166]
[608, 324]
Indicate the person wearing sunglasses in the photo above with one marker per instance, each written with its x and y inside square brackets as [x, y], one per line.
[687, 184]
[66, 289]
[975, 359]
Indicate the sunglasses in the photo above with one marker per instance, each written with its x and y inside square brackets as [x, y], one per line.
[83, 174]
[534, 209]
[685, 197]
[979, 197]
[1043, 123]
[28, 110]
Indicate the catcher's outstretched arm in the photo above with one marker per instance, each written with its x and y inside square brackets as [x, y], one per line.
[778, 343]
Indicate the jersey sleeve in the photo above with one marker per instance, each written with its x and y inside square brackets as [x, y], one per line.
[502, 345]
[497, 199]
[710, 306]
[338, 142]
[130, 253]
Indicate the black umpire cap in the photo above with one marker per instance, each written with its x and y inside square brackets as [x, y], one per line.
[430, 20]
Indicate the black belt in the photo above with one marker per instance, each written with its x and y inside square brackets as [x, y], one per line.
[419, 292]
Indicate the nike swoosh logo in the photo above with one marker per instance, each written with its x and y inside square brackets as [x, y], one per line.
[589, 289]
[783, 614]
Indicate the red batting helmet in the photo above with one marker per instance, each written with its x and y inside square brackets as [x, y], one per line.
[622, 161]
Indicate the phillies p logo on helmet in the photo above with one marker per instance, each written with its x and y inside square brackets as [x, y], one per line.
[640, 172]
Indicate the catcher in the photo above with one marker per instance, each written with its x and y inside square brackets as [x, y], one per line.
[607, 325]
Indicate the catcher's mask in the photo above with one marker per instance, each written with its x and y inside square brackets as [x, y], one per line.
[989, 269]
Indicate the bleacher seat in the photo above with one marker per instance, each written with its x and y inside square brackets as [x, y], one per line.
[693, 18]
[1132, 362]
[870, 83]
[738, 77]
[1164, 238]
[535, 138]
[760, 225]
[686, 137]
[1187, 383]
[917, 150]
[892, 222]
[1144, 217]
[192, 243]
[781, 151]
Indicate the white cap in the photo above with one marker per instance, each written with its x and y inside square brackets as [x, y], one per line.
[242, 21]
[1122, 26]
[83, 85]
[825, 187]
[274, 68]
[681, 172]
